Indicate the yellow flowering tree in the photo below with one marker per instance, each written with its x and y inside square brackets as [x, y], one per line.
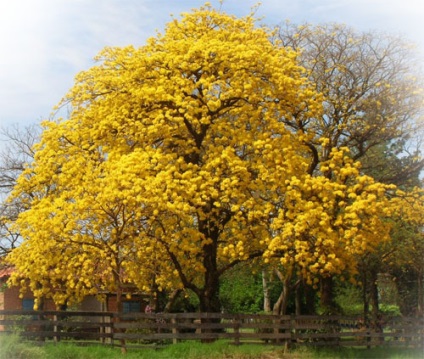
[185, 157]
[169, 166]
[325, 224]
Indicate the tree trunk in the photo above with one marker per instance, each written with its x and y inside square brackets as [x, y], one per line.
[365, 301]
[119, 306]
[375, 308]
[171, 300]
[420, 304]
[41, 317]
[327, 296]
[375, 305]
[209, 296]
[280, 306]
[209, 299]
[298, 300]
[267, 299]
[310, 297]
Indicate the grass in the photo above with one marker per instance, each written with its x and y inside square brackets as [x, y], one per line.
[11, 347]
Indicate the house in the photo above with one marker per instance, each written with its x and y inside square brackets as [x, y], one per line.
[10, 300]
[9, 296]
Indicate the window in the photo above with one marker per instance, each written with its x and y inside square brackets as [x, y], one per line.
[28, 304]
[131, 307]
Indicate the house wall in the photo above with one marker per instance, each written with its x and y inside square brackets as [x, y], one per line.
[111, 304]
[9, 298]
[91, 304]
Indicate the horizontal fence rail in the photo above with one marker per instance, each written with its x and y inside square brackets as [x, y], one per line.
[147, 329]
[58, 325]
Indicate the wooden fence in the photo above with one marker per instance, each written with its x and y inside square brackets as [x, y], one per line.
[141, 330]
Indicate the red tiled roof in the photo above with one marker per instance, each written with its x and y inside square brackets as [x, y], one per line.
[5, 272]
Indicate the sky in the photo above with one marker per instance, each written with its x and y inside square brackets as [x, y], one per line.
[45, 43]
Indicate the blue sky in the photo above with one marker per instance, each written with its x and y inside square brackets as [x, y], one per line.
[45, 43]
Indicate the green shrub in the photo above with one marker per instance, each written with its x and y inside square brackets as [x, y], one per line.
[11, 347]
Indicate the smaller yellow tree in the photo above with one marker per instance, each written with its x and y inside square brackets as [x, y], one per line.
[324, 224]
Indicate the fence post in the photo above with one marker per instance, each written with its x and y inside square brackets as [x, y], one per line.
[293, 330]
[112, 319]
[237, 329]
[338, 329]
[368, 334]
[174, 330]
[56, 338]
[107, 329]
[421, 343]
[276, 330]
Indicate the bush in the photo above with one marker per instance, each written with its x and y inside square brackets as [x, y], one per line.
[241, 290]
[11, 347]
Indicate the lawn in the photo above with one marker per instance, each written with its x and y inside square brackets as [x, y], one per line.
[12, 348]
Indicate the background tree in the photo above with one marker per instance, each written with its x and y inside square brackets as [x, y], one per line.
[16, 153]
[372, 101]
[404, 254]
[404, 258]
[241, 289]
[371, 84]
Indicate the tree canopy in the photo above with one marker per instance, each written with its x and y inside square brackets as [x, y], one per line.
[373, 95]
[170, 152]
[180, 159]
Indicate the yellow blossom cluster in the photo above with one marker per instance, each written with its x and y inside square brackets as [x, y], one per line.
[325, 223]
